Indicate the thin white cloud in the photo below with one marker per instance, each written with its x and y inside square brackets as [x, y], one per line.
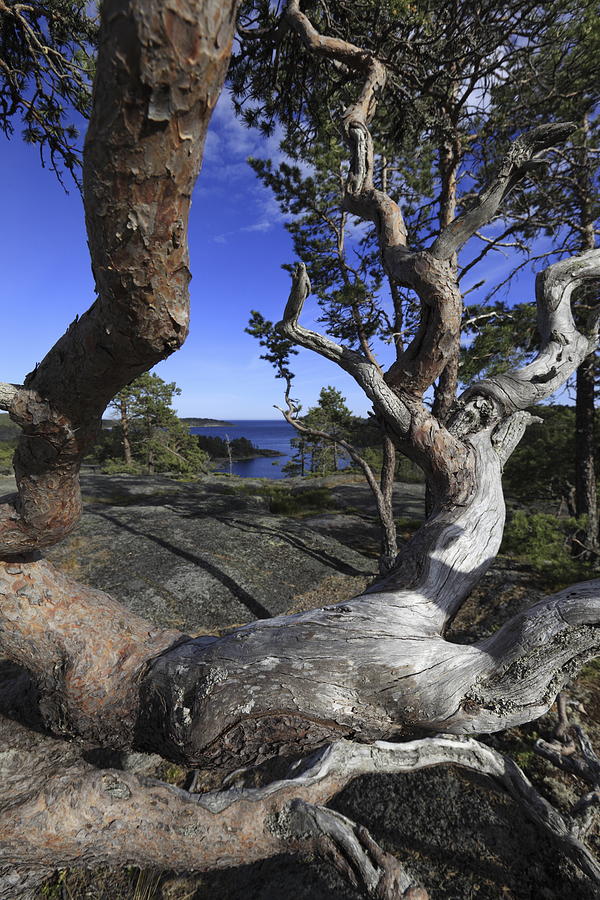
[231, 142]
[258, 226]
[212, 147]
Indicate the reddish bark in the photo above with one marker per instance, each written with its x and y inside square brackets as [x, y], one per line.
[159, 73]
[377, 666]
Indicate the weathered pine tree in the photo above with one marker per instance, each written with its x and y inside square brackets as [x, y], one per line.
[558, 82]
[353, 686]
[442, 62]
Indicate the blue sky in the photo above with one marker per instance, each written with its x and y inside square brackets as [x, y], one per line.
[237, 245]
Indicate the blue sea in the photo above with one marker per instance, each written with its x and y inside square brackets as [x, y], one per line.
[268, 434]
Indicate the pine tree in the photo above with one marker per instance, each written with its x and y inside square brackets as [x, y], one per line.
[151, 433]
[558, 82]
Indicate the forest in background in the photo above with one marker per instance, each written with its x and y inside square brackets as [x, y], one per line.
[543, 528]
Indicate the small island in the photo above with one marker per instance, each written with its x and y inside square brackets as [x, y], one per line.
[195, 422]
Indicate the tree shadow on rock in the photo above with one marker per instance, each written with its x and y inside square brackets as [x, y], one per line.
[252, 605]
[461, 838]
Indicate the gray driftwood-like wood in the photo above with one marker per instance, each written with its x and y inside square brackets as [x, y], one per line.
[376, 668]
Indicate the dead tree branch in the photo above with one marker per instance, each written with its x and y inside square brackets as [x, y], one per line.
[362, 198]
[64, 811]
[563, 347]
[526, 155]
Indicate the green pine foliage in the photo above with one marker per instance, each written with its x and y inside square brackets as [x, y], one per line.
[159, 441]
[345, 273]
[497, 337]
[555, 82]
[549, 545]
[278, 349]
[332, 416]
[47, 54]
[542, 468]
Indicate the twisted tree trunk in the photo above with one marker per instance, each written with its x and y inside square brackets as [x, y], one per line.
[375, 668]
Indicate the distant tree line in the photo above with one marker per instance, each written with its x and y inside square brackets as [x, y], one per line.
[148, 437]
[240, 447]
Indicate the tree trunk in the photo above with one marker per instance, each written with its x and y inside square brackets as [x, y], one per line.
[375, 667]
[586, 498]
[149, 449]
[449, 161]
[150, 470]
[585, 451]
[125, 441]
[385, 507]
[229, 457]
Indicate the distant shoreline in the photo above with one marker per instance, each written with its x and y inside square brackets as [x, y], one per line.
[261, 453]
[194, 422]
[191, 422]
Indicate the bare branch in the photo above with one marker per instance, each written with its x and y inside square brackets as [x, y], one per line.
[563, 347]
[50, 798]
[61, 811]
[58, 810]
[362, 198]
[585, 765]
[396, 396]
[524, 156]
[382, 495]
[332, 767]
[351, 849]
[366, 373]
[572, 764]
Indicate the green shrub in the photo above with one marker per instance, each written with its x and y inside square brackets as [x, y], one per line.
[286, 502]
[7, 449]
[546, 542]
[118, 467]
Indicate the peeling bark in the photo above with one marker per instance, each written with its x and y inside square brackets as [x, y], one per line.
[58, 810]
[159, 73]
[377, 667]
